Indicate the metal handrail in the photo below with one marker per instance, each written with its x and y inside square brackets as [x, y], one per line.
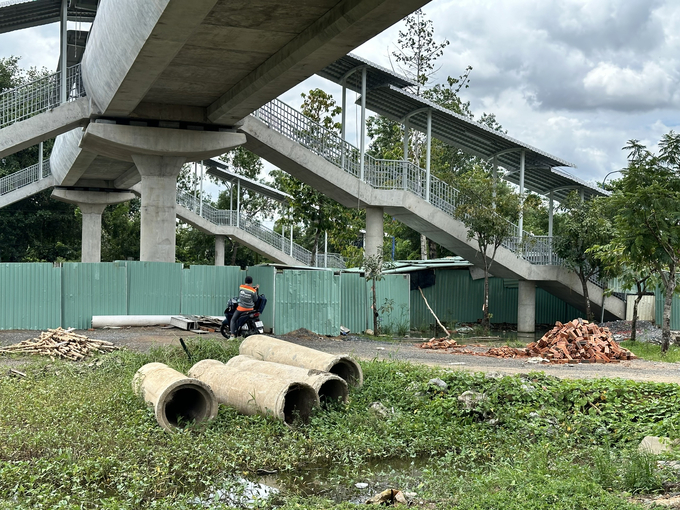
[389, 174]
[29, 175]
[221, 217]
[39, 95]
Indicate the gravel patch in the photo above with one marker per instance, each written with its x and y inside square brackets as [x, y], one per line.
[144, 338]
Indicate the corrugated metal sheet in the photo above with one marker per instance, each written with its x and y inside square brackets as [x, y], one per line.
[30, 295]
[456, 297]
[308, 299]
[354, 299]
[154, 288]
[206, 289]
[393, 296]
[89, 289]
[264, 276]
[658, 309]
[550, 309]
[645, 308]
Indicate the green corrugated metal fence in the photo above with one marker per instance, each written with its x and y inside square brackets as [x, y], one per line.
[392, 301]
[30, 296]
[307, 299]
[354, 297]
[154, 288]
[659, 299]
[206, 289]
[456, 297]
[89, 289]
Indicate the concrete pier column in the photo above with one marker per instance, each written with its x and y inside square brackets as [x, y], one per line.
[91, 250]
[526, 309]
[91, 205]
[219, 250]
[374, 231]
[159, 200]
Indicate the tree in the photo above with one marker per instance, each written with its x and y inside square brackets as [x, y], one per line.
[631, 274]
[647, 199]
[584, 225]
[490, 226]
[36, 228]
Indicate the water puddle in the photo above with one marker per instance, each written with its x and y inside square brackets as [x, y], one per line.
[351, 483]
[239, 493]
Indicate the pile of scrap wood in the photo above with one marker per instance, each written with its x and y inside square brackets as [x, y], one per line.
[579, 341]
[60, 343]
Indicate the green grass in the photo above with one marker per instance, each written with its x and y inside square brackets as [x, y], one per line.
[75, 436]
[652, 352]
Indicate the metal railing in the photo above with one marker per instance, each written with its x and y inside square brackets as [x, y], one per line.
[13, 182]
[39, 96]
[277, 241]
[389, 174]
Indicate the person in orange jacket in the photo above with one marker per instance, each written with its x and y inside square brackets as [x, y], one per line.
[247, 295]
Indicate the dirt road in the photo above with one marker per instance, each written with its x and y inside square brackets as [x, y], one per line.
[143, 339]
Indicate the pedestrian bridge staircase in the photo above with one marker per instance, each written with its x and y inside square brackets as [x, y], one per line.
[248, 232]
[318, 157]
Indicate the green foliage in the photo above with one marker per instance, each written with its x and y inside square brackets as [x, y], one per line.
[584, 225]
[648, 215]
[653, 352]
[75, 434]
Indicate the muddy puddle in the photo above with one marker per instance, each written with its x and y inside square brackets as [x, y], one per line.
[339, 484]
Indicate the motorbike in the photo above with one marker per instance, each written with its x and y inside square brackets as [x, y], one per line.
[250, 321]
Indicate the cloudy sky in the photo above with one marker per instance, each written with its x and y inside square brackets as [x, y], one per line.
[576, 78]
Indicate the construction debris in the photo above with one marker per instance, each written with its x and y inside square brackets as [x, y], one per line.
[579, 341]
[440, 343]
[60, 343]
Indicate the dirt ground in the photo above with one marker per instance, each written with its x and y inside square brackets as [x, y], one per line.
[143, 338]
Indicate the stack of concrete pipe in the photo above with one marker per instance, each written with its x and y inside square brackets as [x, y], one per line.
[271, 377]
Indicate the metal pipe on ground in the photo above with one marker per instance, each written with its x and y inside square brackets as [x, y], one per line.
[266, 348]
[177, 399]
[122, 321]
[256, 393]
[329, 387]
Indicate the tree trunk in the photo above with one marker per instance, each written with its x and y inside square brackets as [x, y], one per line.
[486, 322]
[633, 333]
[584, 284]
[375, 310]
[423, 247]
[234, 252]
[433, 249]
[315, 248]
[668, 301]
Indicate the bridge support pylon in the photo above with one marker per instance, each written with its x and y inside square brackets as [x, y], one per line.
[526, 307]
[219, 250]
[91, 205]
[374, 232]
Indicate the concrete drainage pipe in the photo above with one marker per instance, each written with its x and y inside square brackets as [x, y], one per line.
[329, 387]
[266, 348]
[176, 398]
[256, 393]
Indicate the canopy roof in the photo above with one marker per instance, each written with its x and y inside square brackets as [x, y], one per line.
[221, 171]
[386, 95]
[19, 14]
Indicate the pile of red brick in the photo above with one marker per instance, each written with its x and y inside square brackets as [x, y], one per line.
[579, 341]
[440, 343]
